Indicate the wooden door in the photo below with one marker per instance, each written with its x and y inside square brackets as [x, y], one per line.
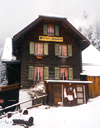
[80, 94]
[57, 94]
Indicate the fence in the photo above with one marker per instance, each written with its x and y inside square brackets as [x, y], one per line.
[35, 101]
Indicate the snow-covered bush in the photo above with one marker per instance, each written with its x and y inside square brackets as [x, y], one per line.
[38, 90]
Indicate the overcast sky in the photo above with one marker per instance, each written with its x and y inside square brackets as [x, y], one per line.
[17, 14]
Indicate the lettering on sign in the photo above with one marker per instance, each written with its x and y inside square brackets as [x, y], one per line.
[49, 38]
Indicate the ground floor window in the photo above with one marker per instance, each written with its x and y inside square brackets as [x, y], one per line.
[63, 73]
[38, 73]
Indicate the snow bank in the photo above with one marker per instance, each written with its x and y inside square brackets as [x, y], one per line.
[83, 116]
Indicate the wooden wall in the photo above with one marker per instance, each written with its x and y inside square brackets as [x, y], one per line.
[51, 60]
[10, 95]
[50, 90]
[94, 89]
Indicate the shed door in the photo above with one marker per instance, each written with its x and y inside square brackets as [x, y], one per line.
[57, 94]
[80, 94]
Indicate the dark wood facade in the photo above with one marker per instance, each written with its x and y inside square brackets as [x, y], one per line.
[64, 37]
[31, 34]
[69, 93]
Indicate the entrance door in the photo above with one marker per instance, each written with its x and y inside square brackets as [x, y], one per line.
[57, 94]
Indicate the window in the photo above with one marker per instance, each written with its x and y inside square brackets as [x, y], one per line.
[38, 73]
[62, 50]
[63, 74]
[39, 49]
[51, 30]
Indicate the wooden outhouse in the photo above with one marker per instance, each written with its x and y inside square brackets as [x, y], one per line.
[50, 49]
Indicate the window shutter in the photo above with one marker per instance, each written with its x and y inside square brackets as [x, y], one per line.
[31, 73]
[44, 29]
[56, 72]
[56, 49]
[46, 73]
[56, 30]
[45, 48]
[69, 50]
[70, 73]
[31, 48]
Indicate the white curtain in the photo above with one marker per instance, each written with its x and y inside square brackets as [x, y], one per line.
[65, 94]
[75, 96]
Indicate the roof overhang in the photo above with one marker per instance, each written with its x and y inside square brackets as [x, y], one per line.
[11, 62]
[68, 81]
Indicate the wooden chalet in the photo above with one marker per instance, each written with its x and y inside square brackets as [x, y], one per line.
[49, 49]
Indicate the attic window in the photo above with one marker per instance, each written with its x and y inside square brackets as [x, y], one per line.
[51, 30]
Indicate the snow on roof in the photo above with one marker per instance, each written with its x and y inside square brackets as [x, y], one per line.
[68, 81]
[91, 61]
[91, 55]
[7, 52]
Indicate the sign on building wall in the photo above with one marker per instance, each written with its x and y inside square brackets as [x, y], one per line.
[48, 38]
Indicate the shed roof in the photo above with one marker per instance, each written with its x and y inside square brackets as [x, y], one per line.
[85, 42]
[90, 56]
[68, 81]
[91, 61]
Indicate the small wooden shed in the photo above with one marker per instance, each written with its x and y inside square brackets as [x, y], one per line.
[91, 70]
[67, 93]
[9, 95]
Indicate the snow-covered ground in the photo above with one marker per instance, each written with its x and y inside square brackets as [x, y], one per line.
[83, 116]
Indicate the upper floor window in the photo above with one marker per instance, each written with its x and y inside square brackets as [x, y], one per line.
[39, 49]
[50, 30]
[62, 50]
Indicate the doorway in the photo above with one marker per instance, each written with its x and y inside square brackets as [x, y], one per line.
[57, 94]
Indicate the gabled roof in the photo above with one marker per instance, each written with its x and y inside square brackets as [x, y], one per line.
[64, 22]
